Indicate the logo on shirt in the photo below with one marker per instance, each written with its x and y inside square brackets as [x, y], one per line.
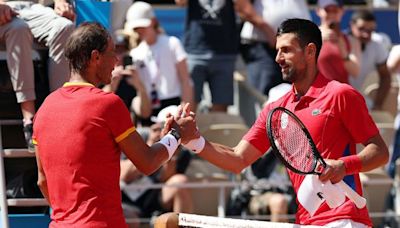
[316, 112]
[320, 195]
[284, 120]
[211, 7]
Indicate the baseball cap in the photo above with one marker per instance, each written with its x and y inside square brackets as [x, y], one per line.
[162, 115]
[139, 15]
[325, 3]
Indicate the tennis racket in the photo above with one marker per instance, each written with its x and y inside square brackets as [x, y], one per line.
[293, 145]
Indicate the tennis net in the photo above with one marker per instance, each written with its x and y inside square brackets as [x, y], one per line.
[175, 220]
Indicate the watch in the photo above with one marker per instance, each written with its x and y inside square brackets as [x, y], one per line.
[175, 133]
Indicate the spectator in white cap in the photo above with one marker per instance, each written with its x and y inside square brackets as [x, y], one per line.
[340, 54]
[160, 60]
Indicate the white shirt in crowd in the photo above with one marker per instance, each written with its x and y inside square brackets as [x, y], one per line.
[156, 65]
[394, 57]
[374, 53]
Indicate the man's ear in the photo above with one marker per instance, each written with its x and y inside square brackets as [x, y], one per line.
[95, 55]
[311, 50]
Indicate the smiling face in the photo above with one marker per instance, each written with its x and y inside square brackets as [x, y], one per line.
[290, 57]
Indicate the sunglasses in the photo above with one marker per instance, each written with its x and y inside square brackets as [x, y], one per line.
[366, 30]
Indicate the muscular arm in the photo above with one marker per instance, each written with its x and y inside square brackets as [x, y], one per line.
[186, 82]
[393, 62]
[231, 159]
[42, 181]
[141, 103]
[146, 159]
[384, 85]
[374, 155]
[352, 64]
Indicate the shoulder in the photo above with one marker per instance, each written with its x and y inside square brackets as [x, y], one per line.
[104, 98]
[339, 90]
[109, 96]
[139, 50]
[376, 47]
[173, 39]
[170, 40]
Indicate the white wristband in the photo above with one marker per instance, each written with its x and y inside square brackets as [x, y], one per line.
[170, 142]
[196, 145]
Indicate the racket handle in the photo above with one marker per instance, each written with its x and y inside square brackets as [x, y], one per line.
[358, 200]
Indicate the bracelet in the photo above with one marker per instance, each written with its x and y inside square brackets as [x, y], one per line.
[352, 163]
[196, 145]
[170, 142]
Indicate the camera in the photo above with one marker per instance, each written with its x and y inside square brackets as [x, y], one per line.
[127, 61]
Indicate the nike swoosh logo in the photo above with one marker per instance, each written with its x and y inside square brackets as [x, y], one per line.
[169, 143]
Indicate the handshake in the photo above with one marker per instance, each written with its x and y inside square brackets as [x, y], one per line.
[181, 128]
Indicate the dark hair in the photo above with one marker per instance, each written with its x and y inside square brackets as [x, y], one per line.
[306, 31]
[87, 37]
[365, 15]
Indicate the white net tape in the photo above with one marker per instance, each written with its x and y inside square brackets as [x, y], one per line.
[191, 220]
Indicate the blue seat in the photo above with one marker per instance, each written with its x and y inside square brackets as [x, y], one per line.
[28, 220]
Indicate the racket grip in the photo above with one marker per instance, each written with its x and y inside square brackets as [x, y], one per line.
[358, 200]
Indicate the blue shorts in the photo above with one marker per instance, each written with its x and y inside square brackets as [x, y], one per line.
[218, 72]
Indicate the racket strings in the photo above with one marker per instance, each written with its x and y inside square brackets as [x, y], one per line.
[292, 142]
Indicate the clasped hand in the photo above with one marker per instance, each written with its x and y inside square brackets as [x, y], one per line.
[184, 122]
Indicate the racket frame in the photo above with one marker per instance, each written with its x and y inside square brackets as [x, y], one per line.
[316, 155]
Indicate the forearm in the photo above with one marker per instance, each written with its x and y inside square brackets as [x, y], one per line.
[374, 155]
[186, 82]
[187, 92]
[351, 57]
[144, 103]
[42, 181]
[227, 158]
[156, 156]
[43, 188]
[246, 11]
[393, 63]
[352, 66]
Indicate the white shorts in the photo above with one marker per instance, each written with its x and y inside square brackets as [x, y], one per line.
[346, 223]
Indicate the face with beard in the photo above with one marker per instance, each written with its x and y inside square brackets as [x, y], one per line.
[290, 57]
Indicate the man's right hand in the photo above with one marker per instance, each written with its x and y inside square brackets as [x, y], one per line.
[184, 122]
[6, 14]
